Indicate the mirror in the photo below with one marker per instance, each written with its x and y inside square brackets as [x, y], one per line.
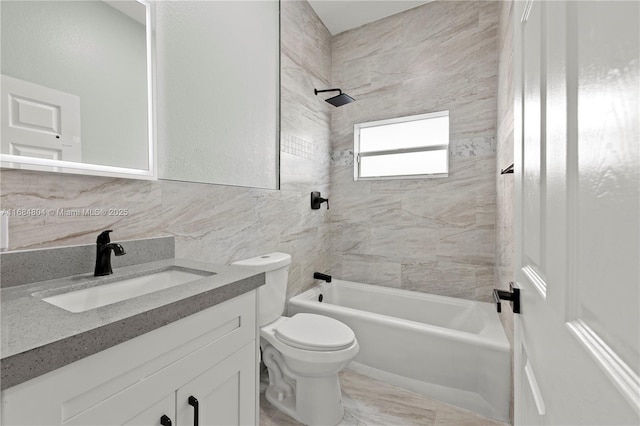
[218, 114]
[77, 87]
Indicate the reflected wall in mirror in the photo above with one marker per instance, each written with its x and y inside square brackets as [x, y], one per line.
[76, 87]
[219, 89]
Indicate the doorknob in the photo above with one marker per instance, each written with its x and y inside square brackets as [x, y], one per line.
[165, 420]
[513, 296]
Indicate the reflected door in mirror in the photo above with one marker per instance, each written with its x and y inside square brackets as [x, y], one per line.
[40, 122]
[80, 82]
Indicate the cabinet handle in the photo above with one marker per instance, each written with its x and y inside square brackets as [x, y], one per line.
[196, 408]
[165, 420]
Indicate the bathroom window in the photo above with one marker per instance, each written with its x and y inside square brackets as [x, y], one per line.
[402, 148]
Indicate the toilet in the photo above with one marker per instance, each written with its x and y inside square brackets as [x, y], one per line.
[304, 353]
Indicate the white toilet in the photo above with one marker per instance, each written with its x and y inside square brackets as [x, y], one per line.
[303, 354]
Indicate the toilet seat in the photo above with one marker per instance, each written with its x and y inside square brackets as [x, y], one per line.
[315, 333]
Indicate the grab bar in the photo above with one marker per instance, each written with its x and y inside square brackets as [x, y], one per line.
[513, 296]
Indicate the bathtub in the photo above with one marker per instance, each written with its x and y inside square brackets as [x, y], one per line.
[449, 349]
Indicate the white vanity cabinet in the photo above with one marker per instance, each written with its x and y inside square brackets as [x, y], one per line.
[210, 356]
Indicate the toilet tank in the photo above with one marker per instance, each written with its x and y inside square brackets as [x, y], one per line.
[273, 294]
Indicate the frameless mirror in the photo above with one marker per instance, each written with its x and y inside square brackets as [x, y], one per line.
[218, 85]
[77, 87]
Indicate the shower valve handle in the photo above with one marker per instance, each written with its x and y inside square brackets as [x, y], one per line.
[317, 200]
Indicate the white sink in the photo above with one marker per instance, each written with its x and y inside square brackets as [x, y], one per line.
[101, 295]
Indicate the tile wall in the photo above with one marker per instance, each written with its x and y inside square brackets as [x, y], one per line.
[429, 235]
[505, 266]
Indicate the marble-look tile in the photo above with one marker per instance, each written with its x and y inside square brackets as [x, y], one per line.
[342, 158]
[479, 243]
[366, 269]
[348, 237]
[301, 175]
[486, 209]
[369, 402]
[447, 415]
[443, 278]
[304, 38]
[469, 174]
[60, 193]
[309, 120]
[437, 209]
[398, 243]
[484, 146]
[484, 294]
[355, 74]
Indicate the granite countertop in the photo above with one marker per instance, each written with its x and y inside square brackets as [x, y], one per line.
[38, 337]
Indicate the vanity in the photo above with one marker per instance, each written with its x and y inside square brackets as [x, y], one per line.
[183, 355]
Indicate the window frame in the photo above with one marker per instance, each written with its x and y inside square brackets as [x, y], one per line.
[357, 155]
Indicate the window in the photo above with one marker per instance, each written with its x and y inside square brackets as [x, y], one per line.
[405, 147]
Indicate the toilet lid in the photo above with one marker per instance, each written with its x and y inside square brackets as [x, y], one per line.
[315, 333]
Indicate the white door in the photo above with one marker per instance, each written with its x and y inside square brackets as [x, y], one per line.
[577, 139]
[39, 122]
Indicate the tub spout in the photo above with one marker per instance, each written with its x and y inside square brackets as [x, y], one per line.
[321, 276]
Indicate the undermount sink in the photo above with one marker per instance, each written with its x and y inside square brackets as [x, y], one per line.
[105, 294]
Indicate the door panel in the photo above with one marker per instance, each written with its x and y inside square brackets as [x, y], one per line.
[577, 341]
[608, 201]
[225, 393]
[40, 122]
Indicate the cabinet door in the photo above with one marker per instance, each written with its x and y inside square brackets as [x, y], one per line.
[128, 409]
[225, 393]
[152, 415]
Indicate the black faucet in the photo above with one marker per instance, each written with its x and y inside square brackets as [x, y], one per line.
[103, 254]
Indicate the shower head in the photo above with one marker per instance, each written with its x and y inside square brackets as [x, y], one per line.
[338, 100]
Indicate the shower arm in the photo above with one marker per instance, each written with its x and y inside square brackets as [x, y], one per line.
[316, 91]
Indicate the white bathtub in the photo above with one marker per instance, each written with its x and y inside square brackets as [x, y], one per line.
[448, 349]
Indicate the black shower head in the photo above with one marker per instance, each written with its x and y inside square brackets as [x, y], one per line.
[338, 100]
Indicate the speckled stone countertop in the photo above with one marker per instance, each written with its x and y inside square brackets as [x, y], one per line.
[38, 337]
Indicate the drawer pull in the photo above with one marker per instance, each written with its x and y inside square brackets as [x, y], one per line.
[165, 420]
[196, 408]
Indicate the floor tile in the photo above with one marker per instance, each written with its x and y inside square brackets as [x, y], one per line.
[369, 402]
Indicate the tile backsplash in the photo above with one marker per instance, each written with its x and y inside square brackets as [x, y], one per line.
[29, 266]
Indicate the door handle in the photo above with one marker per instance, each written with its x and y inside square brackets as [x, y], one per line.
[165, 420]
[196, 409]
[513, 296]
